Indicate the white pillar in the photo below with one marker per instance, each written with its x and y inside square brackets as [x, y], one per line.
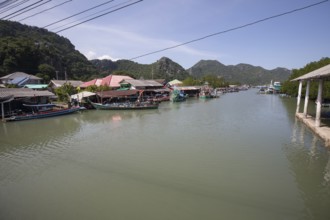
[319, 104]
[307, 98]
[299, 96]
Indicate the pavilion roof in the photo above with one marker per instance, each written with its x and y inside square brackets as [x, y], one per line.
[321, 73]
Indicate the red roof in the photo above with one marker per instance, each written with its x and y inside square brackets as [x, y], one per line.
[89, 83]
[111, 81]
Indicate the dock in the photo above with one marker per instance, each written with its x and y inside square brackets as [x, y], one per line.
[322, 131]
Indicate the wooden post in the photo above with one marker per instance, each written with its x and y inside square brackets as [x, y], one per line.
[319, 104]
[299, 96]
[2, 111]
[307, 98]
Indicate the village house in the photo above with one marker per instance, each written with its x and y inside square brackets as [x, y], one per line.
[20, 79]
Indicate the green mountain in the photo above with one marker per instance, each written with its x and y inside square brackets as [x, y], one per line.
[164, 68]
[37, 51]
[242, 73]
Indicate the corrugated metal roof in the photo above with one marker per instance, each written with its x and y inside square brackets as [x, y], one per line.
[111, 81]
[59, 83]
[115, 79]
[321, 73]
[117, 93]
[23, 92]
[19, 74]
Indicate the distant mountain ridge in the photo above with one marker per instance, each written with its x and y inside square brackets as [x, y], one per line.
[167, 69]
[164, 68]
[242, 73]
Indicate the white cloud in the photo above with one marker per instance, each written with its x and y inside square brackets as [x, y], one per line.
[93, 55]
[107, 57]
[90, 55]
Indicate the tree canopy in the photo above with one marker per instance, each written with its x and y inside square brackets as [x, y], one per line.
[291, 88]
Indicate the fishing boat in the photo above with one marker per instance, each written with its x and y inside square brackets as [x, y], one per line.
[125, 105]
[177, 96]
[43, 111]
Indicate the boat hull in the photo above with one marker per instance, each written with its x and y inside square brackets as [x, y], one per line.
[125, 106]
[45, 114]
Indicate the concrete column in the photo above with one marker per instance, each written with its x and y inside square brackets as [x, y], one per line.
[307, 98]
[2, 111]
[319, 104]
[299, 96]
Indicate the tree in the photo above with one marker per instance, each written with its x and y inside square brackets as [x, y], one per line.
[291, 88]
[214, 81]
[46, 72]
[63, 93]
[190, 81]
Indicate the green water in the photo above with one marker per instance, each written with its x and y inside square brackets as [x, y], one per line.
[242, 156]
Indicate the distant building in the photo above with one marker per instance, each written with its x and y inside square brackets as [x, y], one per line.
[141, 84]
[12, 99]
[58, 83]
[174, 83]
[20, 79]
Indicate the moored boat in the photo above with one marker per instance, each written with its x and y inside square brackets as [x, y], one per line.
[177, 96]
[125, 105]
[43, 111]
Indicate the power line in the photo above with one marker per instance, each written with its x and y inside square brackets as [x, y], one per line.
[231, 29]
[91, 15]
[99, 16]
[55, 6]
[78, 13]
[6, 3]
[22, 9]
[27, 10]
[11, 6]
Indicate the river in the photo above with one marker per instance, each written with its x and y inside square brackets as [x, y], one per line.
[242, 156]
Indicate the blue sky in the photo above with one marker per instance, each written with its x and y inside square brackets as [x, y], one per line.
[290, 41]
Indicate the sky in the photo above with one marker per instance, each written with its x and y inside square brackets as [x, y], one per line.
[290, 41]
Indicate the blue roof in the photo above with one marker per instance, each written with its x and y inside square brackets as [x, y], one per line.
[36, 86]
[19, 80]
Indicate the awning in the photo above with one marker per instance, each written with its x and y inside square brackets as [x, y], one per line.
[81, 95]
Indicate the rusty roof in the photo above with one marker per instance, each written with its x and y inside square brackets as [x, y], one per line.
[117, 93]
[23, 92]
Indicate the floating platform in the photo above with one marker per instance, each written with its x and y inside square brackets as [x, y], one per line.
[323, 131]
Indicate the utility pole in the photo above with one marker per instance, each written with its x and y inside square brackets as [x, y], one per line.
[152, 72]
[65, 75]
[56, 74]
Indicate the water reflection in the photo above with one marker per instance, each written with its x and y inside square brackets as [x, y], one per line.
[242, 156]
[310, 164]
[26, 133]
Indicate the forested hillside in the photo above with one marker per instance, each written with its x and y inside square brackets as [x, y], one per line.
[164, 68]
[242, 73]
[37, 51]
[291, 88]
